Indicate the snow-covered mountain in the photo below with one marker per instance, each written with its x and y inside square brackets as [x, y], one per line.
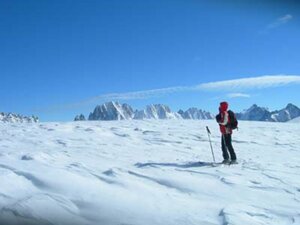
[117, 111]
[16, 118]
[157, 111]
[112, 111]
[288, 113]
[80, 117]
[195, 114]
[256, 113]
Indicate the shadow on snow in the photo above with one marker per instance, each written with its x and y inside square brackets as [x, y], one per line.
[186, 165]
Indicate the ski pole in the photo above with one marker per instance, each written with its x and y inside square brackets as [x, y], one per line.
[212, 151]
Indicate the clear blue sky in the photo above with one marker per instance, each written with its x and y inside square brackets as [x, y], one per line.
[57, 53]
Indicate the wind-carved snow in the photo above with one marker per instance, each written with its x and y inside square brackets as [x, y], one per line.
[148, 172]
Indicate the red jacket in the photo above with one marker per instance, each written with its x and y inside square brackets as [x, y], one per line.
[224, 120]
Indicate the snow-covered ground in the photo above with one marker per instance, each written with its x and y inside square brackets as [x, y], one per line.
[296, 120]
[147, 173]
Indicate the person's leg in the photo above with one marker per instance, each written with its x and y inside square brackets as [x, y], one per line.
[228, 143]
[224, 148]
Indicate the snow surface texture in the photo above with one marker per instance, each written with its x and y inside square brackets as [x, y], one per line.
[147, 172]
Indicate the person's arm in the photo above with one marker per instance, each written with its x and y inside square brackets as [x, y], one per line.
[218, 118]
[225, 120]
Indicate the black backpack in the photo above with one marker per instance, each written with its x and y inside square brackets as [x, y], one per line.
[218, 118]
[233, 124]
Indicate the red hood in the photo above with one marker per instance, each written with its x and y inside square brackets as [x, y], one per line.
[223, 106]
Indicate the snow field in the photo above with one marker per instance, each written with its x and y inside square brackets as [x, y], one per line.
[148, 172]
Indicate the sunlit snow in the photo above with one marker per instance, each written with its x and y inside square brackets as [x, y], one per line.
[148, 172]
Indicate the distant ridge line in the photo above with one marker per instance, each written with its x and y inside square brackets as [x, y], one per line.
[116, 111]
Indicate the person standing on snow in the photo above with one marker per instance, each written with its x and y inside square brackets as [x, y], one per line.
[223, 119]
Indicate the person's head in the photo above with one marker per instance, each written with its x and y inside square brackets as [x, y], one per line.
[223, 106]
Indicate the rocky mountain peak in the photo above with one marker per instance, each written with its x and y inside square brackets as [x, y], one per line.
[17, 118]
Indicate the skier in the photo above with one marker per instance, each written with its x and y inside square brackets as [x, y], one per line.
[223, 119]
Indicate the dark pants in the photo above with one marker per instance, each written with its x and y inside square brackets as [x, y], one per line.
[227, 146]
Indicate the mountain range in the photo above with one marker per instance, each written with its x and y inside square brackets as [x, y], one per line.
[16, 118]
[116, 111]
[256, 113]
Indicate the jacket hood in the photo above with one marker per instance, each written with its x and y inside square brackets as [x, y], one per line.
[223, 106]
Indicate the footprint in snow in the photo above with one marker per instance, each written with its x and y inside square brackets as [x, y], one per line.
[110, 173]
[89, 130]
[146, 132]
[254, 215]
[122, 135]
[61, 143]
[255, 182]
[163, 182]
[26, 157]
